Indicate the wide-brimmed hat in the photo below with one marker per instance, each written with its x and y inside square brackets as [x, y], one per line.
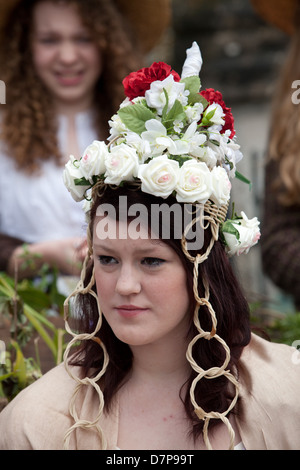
[149, 18]
[280, 13]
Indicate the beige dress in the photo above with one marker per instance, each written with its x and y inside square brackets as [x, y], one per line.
[268, 415]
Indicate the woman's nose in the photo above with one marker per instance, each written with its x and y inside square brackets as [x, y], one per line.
[68, 52]
[128, 282]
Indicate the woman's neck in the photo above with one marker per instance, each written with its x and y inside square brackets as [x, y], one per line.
[160, 362]
[71, 108]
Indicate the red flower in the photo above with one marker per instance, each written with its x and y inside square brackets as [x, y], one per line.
[137, 83]
[213, 96]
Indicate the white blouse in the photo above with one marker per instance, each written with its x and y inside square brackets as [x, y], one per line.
[38, 207]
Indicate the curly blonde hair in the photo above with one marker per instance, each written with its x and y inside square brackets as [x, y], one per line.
[284, 140]
[29, 126]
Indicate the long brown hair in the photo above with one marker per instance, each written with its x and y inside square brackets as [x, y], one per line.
[28, 127]
[284, 139]
[226, 297]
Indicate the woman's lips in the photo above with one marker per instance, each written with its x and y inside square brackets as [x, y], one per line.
[130, 310]
[69, 79]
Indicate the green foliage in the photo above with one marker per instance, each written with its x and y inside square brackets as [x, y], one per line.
[279, 327]
[28, 306]
[134, 117]
[16, 373]
[286, 329]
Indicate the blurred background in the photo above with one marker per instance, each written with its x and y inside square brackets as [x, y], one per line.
[242, 56]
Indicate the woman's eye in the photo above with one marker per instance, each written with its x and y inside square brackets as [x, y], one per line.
[47, 40]
[107, 260]
[83, 39]
[152, 261]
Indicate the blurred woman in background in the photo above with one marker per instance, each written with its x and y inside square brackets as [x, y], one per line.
[63, 65]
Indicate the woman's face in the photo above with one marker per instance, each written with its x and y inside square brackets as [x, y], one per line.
[64, 55]
[142, 288]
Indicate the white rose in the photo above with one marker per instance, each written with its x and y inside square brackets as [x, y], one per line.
[249, 234]
[194, 183]
[121, 164]
[93, 161]
[71, 173]
[221, 186]
[159, 177]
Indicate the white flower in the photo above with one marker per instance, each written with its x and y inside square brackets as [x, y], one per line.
[189, 143]
[249, 234]
[155, 130]
[121, 164]
[155, 96]
[159, 177]
[227, 151]
[193, 62]
[193, 113]
[206, 155]
[93, 161]
[178, 125]
[71, 173]
[193, 138]
[221, 186]
[232, 156]
[117, 126]
[194, 183]
[142, 146]
[218, 114]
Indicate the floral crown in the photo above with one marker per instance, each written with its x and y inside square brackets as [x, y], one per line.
[171, 138]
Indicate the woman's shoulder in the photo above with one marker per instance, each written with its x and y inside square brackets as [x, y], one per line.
[270, 354]
[269, 407]
[265, 364]
[38, 417]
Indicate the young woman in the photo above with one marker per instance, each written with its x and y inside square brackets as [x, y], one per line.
[281, 223]
[166, 359]
[62, 64]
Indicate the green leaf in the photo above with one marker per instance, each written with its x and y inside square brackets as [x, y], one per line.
[134, 117]
[81, 182]
[192, 84]
[176, 112]
[35, 297]
[180, 159]
[243, 179]
[197, 98]
[165, 110]
[19, 366]
[229, 227]
[207, 117]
